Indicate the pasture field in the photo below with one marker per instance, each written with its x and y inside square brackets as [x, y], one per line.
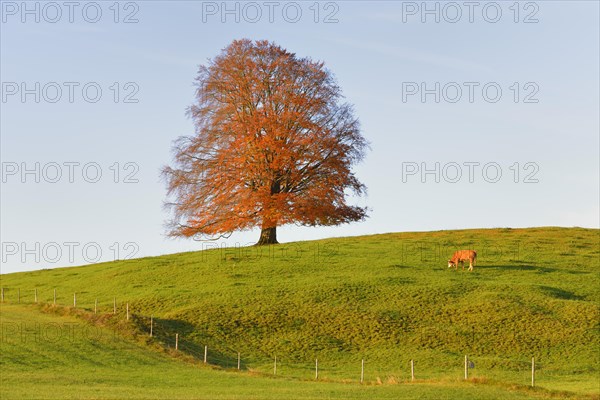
[76, 364]
[385, 298]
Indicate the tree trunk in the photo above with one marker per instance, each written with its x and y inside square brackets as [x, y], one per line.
[268, 236]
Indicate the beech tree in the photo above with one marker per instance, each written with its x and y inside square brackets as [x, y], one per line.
[274, 144]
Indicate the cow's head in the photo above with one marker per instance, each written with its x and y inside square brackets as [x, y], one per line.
[451, 264]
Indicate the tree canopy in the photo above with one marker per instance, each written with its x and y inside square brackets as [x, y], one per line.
[274, 144]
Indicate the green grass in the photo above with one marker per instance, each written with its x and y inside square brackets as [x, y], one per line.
[384, 298]
[59, 356]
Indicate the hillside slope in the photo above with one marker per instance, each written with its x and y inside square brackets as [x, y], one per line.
[69, 359]
[384, 298]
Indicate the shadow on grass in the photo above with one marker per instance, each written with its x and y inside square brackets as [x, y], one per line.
[530, 267]
[522, 267]
[560, 293]
[189, 341]
[399, 266]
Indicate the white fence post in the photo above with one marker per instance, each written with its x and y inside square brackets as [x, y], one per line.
[532, 371]
[362, 370]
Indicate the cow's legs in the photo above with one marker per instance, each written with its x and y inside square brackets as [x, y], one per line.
[471, 263]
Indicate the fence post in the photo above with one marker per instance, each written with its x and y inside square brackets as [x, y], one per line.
[74, 300]
[239, 360]
[275, 366]
[96, 307]
[205, 354]
[151, 323]
[35, 294]
[362, 370]
[412, 370]
[316, 368]
[466, 367]
[19, 295]
[127, 311]
[3, 295]
[177, 341]
[532, 371]
[54, 303]
[114, 305]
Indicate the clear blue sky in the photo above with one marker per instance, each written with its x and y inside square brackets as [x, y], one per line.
[383, 55]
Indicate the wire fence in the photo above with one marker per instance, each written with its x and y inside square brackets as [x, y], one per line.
[183, 339]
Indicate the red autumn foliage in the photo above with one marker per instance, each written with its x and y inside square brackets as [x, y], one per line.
[274, 145]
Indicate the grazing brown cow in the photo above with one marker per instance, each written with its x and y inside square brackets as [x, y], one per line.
[461, 256]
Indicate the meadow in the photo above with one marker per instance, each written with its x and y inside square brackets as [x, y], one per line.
[385, 299]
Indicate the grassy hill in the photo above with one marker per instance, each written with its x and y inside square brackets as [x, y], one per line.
[109, 366]
[385, 298]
